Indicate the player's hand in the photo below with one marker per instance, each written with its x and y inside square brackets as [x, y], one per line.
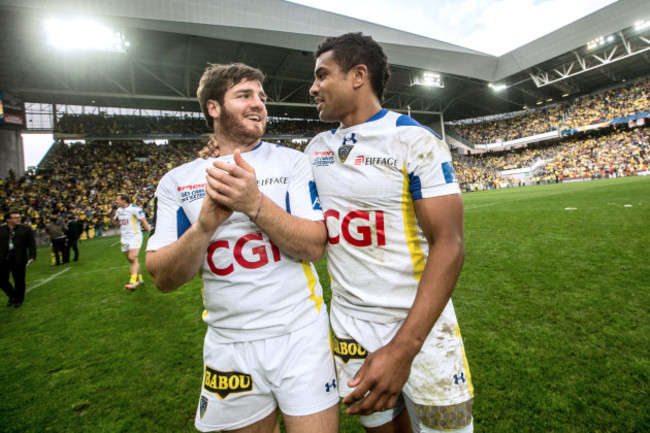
[235, 185]
[211, 150]
[212, 213]
[379, 382]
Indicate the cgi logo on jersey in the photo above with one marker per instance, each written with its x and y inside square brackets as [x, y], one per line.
[223, 383]
[190, 193]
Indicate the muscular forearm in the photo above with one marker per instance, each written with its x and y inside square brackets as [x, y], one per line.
[176, 264]
[297, 237]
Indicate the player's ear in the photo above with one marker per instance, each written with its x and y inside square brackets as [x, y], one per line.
[360, 75]
[214, 108]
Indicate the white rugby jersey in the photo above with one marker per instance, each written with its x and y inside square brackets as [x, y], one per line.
[129, 218]
[251, 289]
[368, 176]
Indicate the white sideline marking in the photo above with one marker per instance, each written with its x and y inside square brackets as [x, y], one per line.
[47, 280]
[532, 197]
[115, 243]
[41, 282]
[518, 199]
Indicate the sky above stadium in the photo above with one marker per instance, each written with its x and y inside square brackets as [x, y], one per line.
[491, 26]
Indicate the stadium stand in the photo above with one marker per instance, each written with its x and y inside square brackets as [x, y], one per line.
[83, 179]
[604, 108]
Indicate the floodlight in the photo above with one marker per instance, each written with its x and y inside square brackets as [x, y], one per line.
[428, 79]
[83, 34]
[498, 87]
[596, 42]
[640, 25]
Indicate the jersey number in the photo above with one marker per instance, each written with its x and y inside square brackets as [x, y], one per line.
[260, 252]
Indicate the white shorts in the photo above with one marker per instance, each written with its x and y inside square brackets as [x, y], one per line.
[131, 243]
[244, 382]
[440, 374]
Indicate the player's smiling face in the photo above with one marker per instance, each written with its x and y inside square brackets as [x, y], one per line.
[332, 89]
[243, 114]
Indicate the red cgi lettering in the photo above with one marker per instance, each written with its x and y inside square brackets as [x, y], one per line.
[357, 227]
[258, 255]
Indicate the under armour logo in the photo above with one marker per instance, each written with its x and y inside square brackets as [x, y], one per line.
[350, 138]
[332, 385]
[458, 378]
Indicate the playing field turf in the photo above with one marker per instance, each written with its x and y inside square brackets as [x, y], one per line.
[553, 306]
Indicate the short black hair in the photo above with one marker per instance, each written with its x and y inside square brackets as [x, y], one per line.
[8, 214]
[353, 49]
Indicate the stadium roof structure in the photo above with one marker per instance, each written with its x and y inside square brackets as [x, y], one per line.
[171, 41]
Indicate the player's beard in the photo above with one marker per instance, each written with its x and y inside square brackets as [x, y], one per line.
[233, 128]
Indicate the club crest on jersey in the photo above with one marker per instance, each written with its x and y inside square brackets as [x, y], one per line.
[348, 349]
[223, 383]
[203, 406]
[345, 149]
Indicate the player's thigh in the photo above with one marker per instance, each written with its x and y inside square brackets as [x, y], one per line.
[398, 424]
[267, 425]
[301, 368]
[325, 421]
[131, 243]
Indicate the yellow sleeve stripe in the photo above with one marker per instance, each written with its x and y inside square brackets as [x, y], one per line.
[411, 228]
[311, 280]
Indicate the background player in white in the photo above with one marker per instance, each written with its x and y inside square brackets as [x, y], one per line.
[131, 219]
[395, 220]
[251, 229]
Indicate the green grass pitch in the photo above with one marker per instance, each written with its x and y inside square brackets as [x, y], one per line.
[553, 305]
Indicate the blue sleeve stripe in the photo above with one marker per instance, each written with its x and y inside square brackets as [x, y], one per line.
[288, 203]
[448, 171]
[405, 120]
[315, 200]
[182, 222]
[415, 186]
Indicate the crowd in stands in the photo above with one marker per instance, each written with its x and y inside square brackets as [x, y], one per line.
[517, 158]
[628, 100]
[620, 153]
[106, 125]
[614, 104]
[525, 125]
[82, 180]
[473, 177]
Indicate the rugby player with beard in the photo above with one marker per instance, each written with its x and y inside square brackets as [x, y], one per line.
[250, 221]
